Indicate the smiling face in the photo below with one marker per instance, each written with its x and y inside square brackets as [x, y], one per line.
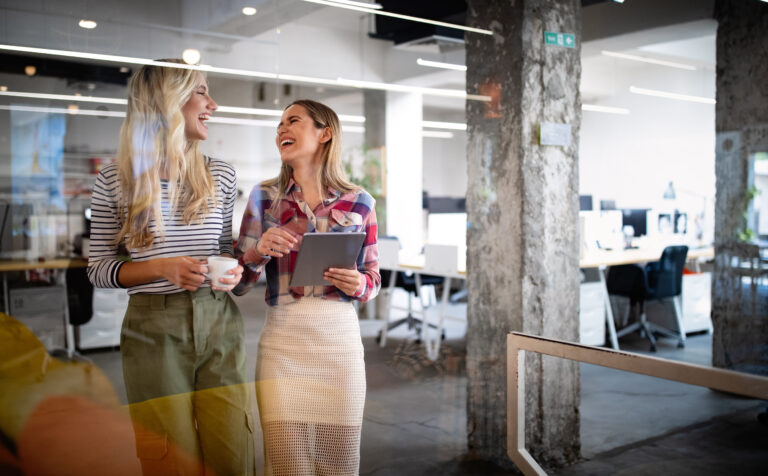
[197, 110]
[298, 137]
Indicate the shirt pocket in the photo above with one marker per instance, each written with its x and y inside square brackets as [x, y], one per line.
[345, 221]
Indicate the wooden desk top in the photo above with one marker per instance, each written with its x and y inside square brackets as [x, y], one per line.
[593, 259]
[58, 263]
[596, 259]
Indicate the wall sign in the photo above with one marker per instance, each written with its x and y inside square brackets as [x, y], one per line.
[552, 133]
[566, 40]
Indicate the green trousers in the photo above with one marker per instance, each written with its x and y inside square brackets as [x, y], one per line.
[184, 366]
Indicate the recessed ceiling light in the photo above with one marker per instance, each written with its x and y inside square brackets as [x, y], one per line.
[456, 126]
[73, 108]
[645, 59]
[249, 11]
[439, 64]
[87, 24]
[191, 56]
[668, 95]
[30, 70]
[606, 109]
[3, 88]
[437, 134]
[124, 69]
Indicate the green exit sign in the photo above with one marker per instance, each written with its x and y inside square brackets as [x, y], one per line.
[565, 40]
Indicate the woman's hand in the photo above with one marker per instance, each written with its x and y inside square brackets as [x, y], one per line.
[276, 242]
[347, 280]
[226, 284]
[183, 271]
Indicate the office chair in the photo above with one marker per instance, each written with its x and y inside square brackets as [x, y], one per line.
[79, 306]
[660, 280]
[407, 282]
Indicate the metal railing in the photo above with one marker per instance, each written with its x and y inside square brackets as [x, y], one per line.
[517, 342]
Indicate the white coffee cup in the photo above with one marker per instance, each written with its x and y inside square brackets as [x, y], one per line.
[218, 267]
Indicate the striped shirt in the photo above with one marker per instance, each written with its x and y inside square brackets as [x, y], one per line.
[350, 212]
[211, 237]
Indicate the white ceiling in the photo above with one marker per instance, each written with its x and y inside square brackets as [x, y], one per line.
[296, 37]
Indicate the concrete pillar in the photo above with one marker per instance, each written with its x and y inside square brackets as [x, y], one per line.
[522, 203]
[404, 169]
[741, 121]
[375, 112]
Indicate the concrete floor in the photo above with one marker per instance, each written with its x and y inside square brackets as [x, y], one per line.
[415, 413]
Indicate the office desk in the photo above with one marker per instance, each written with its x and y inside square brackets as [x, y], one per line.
[596, 259]
[415, 265]
[61, 264]
[603, 259]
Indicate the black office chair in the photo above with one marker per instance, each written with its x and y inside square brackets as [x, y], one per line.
[660, 280]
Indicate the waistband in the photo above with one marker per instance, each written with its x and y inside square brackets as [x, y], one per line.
[161, 301]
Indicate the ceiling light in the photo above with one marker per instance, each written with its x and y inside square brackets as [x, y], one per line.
[438, 64]
[73, 108]
[61, 110]
[64, 97]
[645, 59]
[87, 24]
[30, 70]
[668, 95]
[608, 109]
[191, 56]
[249, 11]
[246, 73]
[402, 17]
[124, 69]
[437, 134]
[105, 100]
[455, 126]
[618, 1]
[455, 93]
[373, 6]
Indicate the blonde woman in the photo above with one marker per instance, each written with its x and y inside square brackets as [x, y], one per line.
[182, 343]
[310, 371]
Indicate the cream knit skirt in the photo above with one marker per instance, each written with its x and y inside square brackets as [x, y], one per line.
[310, 382]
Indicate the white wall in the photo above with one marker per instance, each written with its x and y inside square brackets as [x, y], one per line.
[445, 165]
[632, 158]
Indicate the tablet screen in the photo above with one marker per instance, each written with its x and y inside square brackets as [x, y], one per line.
[320, 251]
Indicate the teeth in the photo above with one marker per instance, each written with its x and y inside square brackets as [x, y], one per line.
[286, 141]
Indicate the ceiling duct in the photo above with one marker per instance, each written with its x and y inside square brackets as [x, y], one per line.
[422, 37]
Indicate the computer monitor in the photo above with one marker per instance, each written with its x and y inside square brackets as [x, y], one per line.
[637, 219]
[607, 204]
[15, 219]
[585, 203]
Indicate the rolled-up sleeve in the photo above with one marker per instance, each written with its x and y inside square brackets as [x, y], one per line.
[368, 260]
[250, 233]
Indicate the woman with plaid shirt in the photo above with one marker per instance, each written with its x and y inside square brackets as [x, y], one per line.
[310, 370]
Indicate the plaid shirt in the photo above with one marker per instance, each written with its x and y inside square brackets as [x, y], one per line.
[353, 211]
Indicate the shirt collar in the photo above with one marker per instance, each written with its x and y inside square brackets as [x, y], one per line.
[331, 194]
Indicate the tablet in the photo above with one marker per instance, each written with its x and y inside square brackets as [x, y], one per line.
[320, 251]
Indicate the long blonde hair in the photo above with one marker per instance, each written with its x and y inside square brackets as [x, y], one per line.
[331, 169]
[152, 141]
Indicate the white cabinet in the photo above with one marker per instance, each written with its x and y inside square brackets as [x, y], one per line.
[103, 330]
[697, 302]
[591, 314]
